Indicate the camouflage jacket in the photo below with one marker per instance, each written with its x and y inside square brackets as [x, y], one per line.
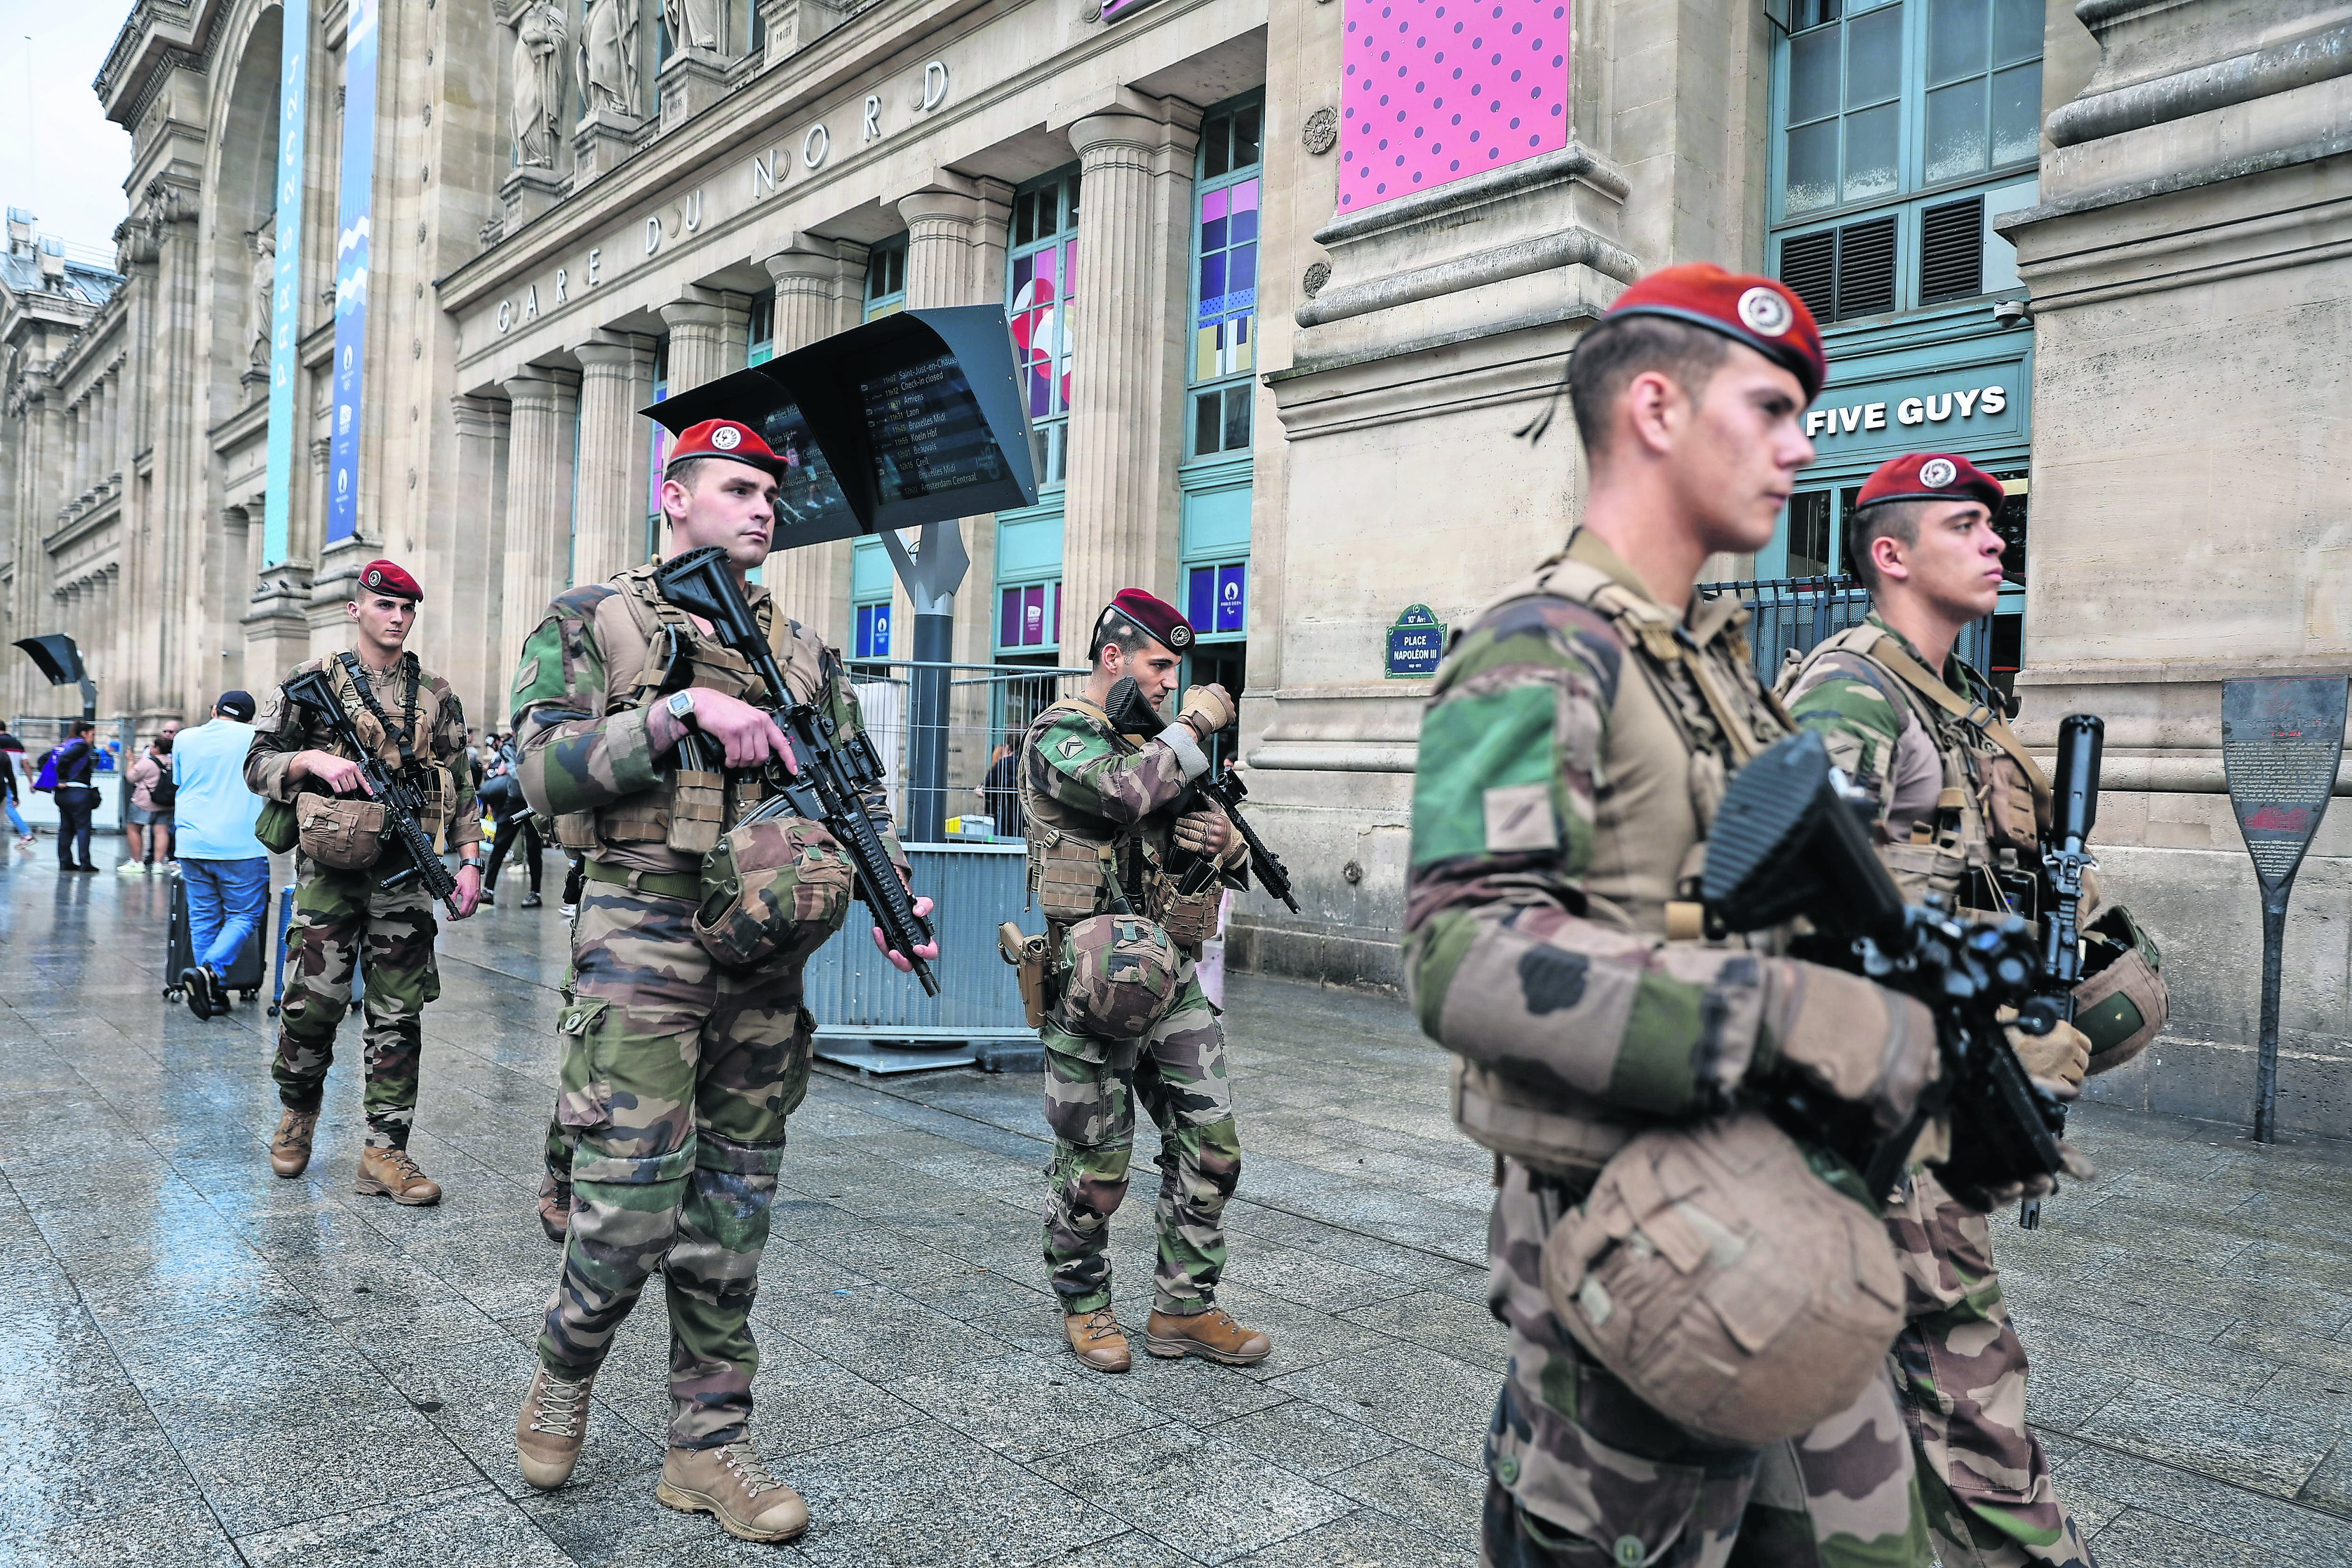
[282, 728]
[1925, 769]
[1573, 753]
[579, 709]
[1079, 777]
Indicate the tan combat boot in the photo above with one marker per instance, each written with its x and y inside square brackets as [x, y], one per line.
[732, 1484]
[552, 1428]
[1213, 1333]
[290, 1146]
[554, 1208]
[1096, 1340]
[391, 1174]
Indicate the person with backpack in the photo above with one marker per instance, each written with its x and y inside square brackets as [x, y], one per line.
[153, 791]
[68, 772]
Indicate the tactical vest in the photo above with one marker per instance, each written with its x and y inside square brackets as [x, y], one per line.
[1076, 859]
[379, 724]
[1994, 797]
[1687, 713]
[651, 649]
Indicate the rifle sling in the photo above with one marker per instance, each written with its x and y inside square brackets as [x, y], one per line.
[1980, 716]
[366, 693]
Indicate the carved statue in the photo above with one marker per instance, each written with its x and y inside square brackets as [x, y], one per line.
[608, 57]
[538, 83]
[265, 281]
[693, 23]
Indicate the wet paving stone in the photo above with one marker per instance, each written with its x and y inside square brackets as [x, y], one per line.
[201, 1362]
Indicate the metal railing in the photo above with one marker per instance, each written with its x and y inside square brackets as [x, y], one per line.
[858, 997]
[1795, 615]
[989, 706]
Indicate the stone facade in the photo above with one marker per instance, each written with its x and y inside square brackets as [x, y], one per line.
[570, 212]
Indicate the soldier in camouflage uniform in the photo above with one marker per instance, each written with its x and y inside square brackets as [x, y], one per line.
[1574, 749]
[342, 910]
[679, 1069]
[1130, 1022]
[1956, 794]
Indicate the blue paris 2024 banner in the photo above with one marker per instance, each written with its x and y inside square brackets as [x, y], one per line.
[286, 291]
[351, 270]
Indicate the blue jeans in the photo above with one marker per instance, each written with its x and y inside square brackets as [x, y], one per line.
[226, 901]
[8, 803]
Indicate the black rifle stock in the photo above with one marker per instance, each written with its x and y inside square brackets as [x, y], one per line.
[394, 791]
[1131, 715]
[2065, 854]
[833, 771]
[1787, 843]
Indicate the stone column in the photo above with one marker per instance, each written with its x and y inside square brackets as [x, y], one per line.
[542, 404]
[1127, 375]
[810, 582]
[609, 532]
[706, 337]
[482, 645]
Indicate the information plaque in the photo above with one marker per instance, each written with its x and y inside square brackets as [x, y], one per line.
[911, 419]
[1416, 645]
[2281, 740]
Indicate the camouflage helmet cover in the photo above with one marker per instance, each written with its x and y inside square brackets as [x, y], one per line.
[1122, 976]
[772, 889]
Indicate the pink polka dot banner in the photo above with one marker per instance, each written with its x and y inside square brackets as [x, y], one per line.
[1436, 91]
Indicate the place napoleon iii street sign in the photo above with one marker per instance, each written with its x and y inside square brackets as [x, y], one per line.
[2281, 739]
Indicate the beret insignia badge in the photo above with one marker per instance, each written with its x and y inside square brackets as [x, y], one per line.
[1179, 636]
[1764, 311]
[727, 437]
[1937, 472]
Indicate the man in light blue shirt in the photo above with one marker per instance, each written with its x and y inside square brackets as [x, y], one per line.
[222, 865]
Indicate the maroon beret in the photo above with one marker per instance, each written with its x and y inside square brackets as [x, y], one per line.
[723, 438]
[1931, 475]
[389, 577]
[1158, 617]
[1762, 312]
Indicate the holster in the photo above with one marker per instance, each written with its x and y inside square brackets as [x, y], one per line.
[1026, 954]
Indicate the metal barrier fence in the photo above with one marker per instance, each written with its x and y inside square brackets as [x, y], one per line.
[989, 706]
[863, 1005]
[1795, 615]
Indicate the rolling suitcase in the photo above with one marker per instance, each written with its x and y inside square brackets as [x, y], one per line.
[246, 974]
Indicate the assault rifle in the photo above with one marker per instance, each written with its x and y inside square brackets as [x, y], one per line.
[2065, 854]
[1787, 842]
[1131, 715]
[394, 790]
[833, 771]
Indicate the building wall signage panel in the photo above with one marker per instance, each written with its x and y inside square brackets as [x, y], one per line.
[1960, 406]
[1416, 644]
[286, 289]
[351, 270]
[1436, 91]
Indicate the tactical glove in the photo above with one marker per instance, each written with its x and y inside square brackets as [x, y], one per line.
[2058, 1059]
[1203, 832]
[1863, 1042]
[1206, 710]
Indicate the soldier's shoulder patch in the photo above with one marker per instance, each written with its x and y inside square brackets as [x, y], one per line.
[1071, 746]
[527, 674]
[584, 599]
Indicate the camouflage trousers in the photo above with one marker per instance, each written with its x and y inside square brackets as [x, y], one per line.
[1959, 1369]
[1583, 1472]
[678, 1075]
[1178, 1071]
[339, 915]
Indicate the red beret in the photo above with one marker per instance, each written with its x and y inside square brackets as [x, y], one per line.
[389, 577]
[723, 438]
[1158, 617]
[1931, 475]
[1762, 312]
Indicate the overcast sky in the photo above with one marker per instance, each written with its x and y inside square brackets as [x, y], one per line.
[64, 159]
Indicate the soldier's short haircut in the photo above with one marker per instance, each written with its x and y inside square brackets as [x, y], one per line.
[1897, 519]
[1116, 628]
[687, 471]
[1611, 354]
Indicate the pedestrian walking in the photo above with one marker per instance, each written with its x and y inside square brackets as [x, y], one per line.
[223, 865]
[12, 765]
[679, 1065]
[502, 792]
[1131, 1023]
[342, 907]
[153, 791]
[1961, 807]
[70, 768]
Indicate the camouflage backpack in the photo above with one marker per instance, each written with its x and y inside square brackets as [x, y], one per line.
[1121, 976]
[773, 891]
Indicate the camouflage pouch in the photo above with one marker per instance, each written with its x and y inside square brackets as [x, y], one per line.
[2007, 798]
[697, 809]
[1191, 918]
[278, 827]
[772, 891]
[1119, 977]
[2122, 1003]
[576, 830]
[345, 834]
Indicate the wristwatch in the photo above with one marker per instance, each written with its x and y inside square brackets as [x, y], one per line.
[681, 708]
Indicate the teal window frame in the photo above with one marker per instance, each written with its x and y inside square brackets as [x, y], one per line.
[1929, 75]
[760, 335]
[886, 280]
[1029, 556]
[870, 581]
[1230, 161]
[1029, 237]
